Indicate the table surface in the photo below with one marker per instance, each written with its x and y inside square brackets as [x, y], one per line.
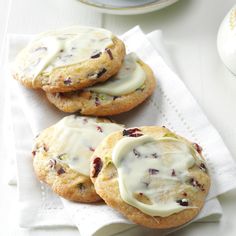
[190, 28]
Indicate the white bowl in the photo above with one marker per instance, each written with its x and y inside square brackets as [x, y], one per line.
[127, 7]
[226, 40]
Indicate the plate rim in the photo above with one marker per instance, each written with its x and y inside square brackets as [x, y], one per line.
[144, 8]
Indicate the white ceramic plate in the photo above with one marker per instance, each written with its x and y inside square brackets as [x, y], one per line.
[127, 7]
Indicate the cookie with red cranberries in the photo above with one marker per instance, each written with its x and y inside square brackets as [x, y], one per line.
[69, 59]
[133, 84]
[151, 175]
[62, 152]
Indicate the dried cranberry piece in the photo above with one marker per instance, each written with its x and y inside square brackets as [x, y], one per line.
[154, 155]
[109, 53]
[173, 173]
[81, 186]
[195, 183]
[153, 171]
[101, 72]
[132, 132]
[96, 75]
[33, 152]
[99, 128]
[96, 55]
[97, 166]
[182, 202]
[203, 167]
[136, 152]
[85, 121]
[146, 184]
[45, 147]
[198, 148]
[115, 97]
[67, 81]
[58, 95]
[136, 135]
[97, 101]
[61, 171]
[52, 163]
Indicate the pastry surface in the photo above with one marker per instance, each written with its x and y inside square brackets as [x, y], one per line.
[111, 97]
[69, 59]
[61, 155]
[151, 175]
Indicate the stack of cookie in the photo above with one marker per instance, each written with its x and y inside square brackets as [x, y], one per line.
[149, 174]
[86, 70]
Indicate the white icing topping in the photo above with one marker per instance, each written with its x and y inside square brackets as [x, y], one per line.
[75, 138]
[130, 77]
[153, 168]
[62, 47]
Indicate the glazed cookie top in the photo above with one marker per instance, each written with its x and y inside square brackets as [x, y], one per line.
[75, 138]
[130, 77]
[152, 172]
[133, 84]
[62, 47]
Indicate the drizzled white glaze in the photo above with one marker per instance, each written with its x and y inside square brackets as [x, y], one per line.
[130, 77]
[75, 138]
[62, 47]
[145, 167]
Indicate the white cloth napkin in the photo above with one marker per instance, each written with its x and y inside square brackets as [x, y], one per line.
[171, 105]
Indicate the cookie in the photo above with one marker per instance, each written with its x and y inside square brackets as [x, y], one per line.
[61, 155]
[131, 86]
[69, 59]
[151, 175]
